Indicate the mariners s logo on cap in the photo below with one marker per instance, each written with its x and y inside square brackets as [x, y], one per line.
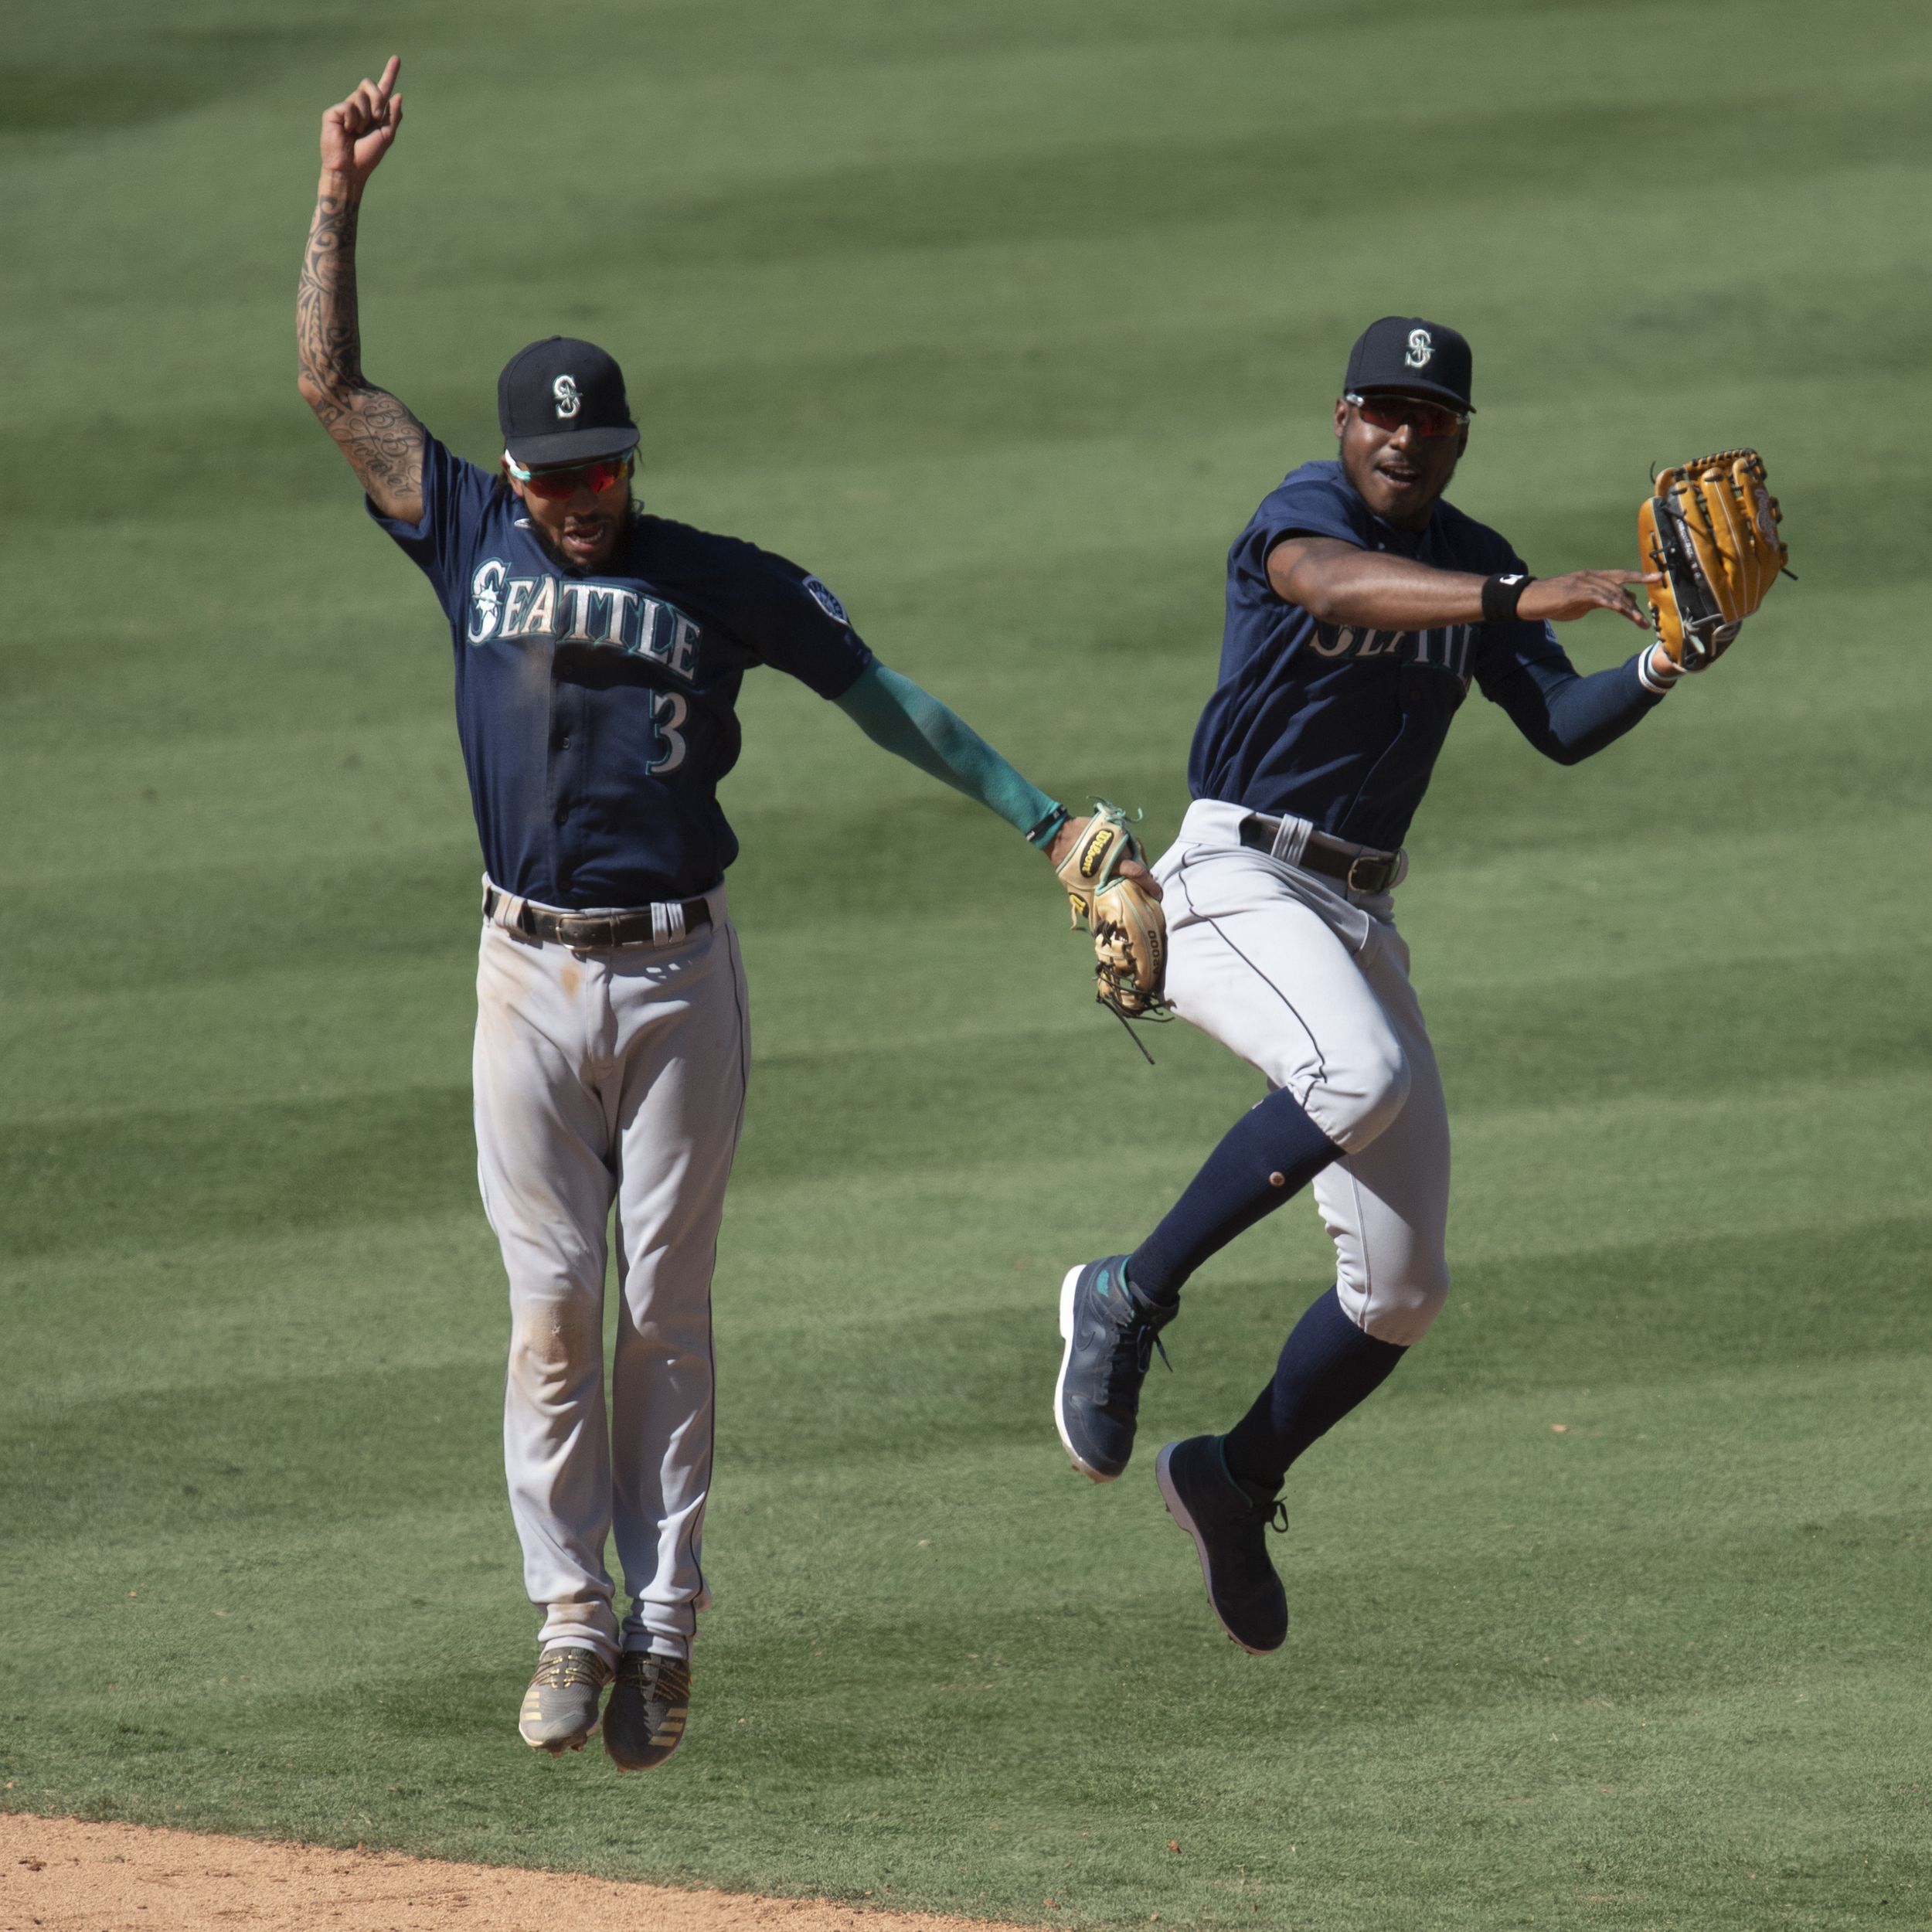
[1414, 356]
[562, 400]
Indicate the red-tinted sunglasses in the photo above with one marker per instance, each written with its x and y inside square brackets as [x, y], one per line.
[558, 485]
[1391, 411]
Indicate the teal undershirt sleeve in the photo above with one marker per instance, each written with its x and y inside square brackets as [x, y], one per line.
[893, 712]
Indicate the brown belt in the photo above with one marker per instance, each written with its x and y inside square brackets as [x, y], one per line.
[1360, 868]
[598, 932]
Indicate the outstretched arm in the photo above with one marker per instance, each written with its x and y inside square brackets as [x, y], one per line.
[895, 712]
[381, 439]
[1338, 582]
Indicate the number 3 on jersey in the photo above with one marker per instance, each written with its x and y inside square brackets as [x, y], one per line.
[668, 712]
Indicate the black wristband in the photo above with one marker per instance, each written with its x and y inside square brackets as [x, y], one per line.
[1041, 832]
[1501, 595]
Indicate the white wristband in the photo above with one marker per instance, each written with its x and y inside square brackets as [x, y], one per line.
[1656, 685]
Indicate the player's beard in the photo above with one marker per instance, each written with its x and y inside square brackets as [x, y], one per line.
[563, 559]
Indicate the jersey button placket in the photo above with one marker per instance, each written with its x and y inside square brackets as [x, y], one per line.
[566, 733]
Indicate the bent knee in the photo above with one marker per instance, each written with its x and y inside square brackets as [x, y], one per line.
[1355, 1098]
[1401, 1306]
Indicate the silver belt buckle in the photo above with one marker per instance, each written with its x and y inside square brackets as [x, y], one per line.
[588, 933]
[1388, 871]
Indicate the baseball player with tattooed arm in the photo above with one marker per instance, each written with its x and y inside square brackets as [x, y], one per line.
[1360, 606]
[599, 653]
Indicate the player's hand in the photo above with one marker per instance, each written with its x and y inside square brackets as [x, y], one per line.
[1558, 599]
[1069, 834]
[357, 132]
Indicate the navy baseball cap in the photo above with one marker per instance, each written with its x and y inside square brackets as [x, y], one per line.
[1420, 358]
[562, 401]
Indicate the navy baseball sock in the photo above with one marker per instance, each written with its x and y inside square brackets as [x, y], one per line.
[1266, 1157]
[1327, 1365]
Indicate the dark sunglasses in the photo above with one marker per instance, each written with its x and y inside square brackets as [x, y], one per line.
[558, 485]
[1391, 411]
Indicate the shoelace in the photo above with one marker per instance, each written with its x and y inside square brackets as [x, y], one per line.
[1144, 1339]
[652, 1671]
[562, 1668]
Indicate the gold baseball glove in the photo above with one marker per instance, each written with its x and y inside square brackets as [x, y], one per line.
[1710, 527]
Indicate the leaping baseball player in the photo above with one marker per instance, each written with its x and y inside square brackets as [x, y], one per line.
[1360, 607]
[599, 653]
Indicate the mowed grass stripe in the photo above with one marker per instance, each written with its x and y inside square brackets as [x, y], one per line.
[160, 1176]
[976, 101]
[1066, 361]
[426, 1292]
[1559, 849]
[397, 794]
[1589, 1527]
[1059, 375]
[353, 829]
[1532, 1182]
[317, 1035]
[152, 1178]
[1604, 1311]
[1570, 1509]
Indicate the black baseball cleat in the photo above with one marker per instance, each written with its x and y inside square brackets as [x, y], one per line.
[1229, 1520]
[643, 1723]
[1111, 1331]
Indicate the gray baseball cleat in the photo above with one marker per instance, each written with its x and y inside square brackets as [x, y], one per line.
[560, 1707]
[1111, 1331]
[645, 1722]
[1229, 1520]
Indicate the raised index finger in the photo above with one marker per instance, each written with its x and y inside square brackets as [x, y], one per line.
[386, 85]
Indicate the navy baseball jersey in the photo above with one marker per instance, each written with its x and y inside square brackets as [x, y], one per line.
[597, 709]
[1341, 725]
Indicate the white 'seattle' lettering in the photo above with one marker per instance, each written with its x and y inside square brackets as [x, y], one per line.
[570, 611]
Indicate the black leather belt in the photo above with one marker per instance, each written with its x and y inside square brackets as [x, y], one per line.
[598, 932]
[1360, 868]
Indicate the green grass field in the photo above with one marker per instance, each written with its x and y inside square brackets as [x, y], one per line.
[1612, 1610]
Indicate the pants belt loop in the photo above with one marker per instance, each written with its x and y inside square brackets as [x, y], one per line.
[505, 908]
[1291, 840]
[667, 922]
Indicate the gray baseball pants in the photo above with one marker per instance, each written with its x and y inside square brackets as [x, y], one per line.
[603, 1079]
[1310, 983]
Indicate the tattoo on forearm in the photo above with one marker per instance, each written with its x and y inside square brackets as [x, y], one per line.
[326, 334]
[382, 441]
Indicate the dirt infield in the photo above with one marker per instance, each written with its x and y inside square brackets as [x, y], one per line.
[62, 1875]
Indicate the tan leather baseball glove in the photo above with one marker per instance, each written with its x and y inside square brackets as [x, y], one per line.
[1128, 927]
[1710, 527]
